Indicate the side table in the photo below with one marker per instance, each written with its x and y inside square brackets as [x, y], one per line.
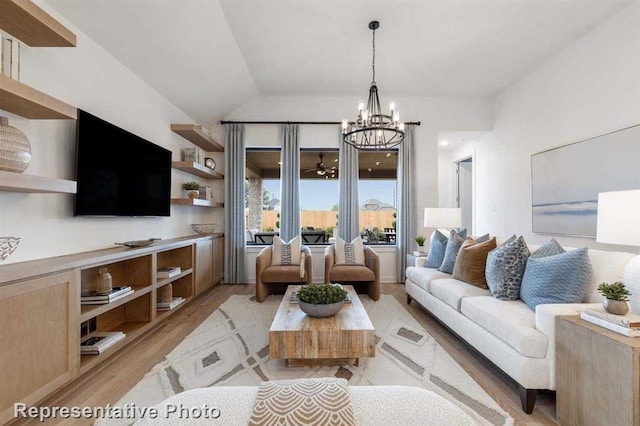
[597, 375]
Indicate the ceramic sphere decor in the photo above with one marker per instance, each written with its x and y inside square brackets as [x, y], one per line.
[321, 300]
[15, 149]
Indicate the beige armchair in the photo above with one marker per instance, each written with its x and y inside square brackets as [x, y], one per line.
[359, 276]
[270, 279]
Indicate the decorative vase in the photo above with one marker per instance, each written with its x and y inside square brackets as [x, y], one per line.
[321, 311]
[166, 293]
[616, 307]
[104, 281]
[15, 149]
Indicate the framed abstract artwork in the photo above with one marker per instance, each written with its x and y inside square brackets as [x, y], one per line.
[565, 181]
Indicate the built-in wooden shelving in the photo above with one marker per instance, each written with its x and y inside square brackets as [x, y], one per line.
[196, 169]
[89, 311]
[195, 134]
[195, 202]
[27, 102]
[33, 26]
[17, 182]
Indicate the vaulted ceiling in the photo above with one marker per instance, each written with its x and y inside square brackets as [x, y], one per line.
[211, 56]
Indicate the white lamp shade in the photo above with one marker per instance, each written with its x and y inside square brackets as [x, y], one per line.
[619, 218]
[442, 218]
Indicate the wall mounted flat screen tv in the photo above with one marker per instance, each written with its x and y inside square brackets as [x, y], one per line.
[119, 173]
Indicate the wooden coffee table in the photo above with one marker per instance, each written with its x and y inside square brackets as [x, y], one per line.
[305, 341]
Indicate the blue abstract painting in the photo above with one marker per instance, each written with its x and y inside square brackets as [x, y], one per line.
[565, 181]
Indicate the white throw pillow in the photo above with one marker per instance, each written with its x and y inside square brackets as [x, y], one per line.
[285, 254]
[350, 253]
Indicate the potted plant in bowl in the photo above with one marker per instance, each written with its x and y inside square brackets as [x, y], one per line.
[192, 189]
[420, 241]
[321, 300]
[616, 296]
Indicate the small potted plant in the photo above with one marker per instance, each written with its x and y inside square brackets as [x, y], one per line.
[420, 241]
[192, 189]
[321, 300]
[616, 296]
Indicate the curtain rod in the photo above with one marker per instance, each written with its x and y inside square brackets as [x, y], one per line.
[412, 123]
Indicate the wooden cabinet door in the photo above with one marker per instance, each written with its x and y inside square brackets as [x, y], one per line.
[204, 267]
[40, 339]
[218, 259]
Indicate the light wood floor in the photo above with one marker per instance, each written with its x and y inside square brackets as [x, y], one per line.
[110, 381]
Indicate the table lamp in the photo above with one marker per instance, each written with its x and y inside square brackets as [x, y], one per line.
[448, 218]
[619, 218]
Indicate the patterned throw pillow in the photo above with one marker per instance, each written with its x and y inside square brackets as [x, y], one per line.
[505, 268]
[472, 260]
[562, 278]
[481, 238]
[285, 254]
[436, 250]
[321, 401]
[350, 253]
[456, 238]
[550, 248]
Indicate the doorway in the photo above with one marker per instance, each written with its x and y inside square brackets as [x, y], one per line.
[464, 197]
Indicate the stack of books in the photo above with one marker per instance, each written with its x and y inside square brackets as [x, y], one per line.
[100, 341]
[169, 271]
[94, 298]
[627, 325]
[167, 306]
[417, 253]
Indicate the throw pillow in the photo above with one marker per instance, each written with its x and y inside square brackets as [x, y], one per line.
[285, 254]
[549, 248]
[303, 401]
[562, 278]
[471, 261]
[454, 242]
[481, 238]
[505, 268]
[436, 250]
[349, 253]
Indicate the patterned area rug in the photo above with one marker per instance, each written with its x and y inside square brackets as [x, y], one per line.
[230, 348]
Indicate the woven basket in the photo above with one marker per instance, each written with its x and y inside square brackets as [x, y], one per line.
[205, 228]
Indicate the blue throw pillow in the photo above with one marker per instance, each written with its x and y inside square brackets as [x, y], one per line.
[505, 268]
[454, 242]
[562, 278]
[550, 248]
[436, 250]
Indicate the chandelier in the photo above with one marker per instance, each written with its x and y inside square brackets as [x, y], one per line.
[373, 130]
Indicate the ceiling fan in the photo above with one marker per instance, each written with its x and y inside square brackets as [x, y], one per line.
[321, 169]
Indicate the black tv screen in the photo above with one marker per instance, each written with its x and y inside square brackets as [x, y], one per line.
[119, 173]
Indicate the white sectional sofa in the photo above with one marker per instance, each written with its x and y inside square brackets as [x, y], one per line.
[518, 340]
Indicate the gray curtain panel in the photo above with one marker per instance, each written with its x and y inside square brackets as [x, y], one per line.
[349, 213]
[405, 221]
[290, 183]
[235, 163]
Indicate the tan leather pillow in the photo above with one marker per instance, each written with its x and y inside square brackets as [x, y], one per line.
[472, 260]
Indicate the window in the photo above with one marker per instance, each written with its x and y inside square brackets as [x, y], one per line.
[377, 193]
[262, 195]
[319, 194]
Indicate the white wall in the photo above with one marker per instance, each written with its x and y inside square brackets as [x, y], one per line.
[91, 79]
[590, 88]
[435, 114]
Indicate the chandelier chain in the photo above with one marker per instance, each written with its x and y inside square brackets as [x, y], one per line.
[373, 63]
